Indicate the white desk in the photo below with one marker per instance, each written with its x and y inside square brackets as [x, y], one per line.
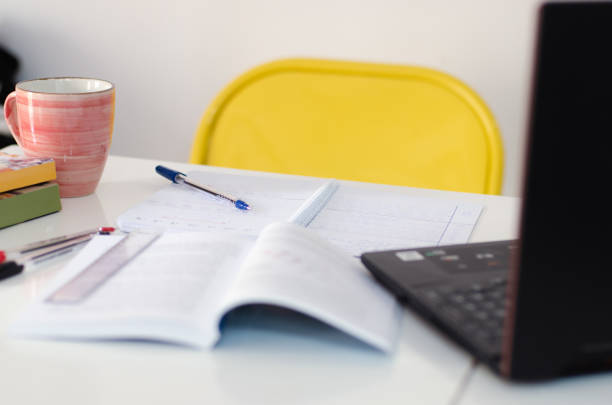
[260, 359]
[485, 388]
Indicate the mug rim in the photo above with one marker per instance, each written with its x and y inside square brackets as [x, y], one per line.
[18, 85]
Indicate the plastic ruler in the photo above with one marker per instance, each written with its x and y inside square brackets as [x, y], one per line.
[102, 269]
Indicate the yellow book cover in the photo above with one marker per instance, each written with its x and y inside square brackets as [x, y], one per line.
[20, 171]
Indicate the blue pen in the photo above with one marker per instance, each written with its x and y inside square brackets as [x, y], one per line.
[181, 178]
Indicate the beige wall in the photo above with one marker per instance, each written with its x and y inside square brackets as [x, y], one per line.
[169, 59]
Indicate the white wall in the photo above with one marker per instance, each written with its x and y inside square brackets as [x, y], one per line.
[169, 59]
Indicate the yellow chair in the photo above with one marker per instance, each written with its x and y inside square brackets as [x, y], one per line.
[390, 124]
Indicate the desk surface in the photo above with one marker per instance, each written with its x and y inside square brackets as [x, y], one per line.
[261, 358]
[485, 388]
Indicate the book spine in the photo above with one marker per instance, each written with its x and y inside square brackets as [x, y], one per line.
[27, 204]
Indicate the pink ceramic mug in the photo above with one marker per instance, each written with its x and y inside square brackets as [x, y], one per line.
[69, 119]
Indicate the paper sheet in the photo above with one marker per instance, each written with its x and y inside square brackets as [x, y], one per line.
[358, 221]
[356, 218]
[179, 208]
[171, 292]
[292, 267]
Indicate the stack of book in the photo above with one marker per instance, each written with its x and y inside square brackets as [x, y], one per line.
[26, 189]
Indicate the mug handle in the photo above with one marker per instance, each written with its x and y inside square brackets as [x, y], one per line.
[10, 115]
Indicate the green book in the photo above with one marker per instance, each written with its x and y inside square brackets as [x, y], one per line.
[28, 202]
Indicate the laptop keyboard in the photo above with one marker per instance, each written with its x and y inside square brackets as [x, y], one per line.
[475, 310]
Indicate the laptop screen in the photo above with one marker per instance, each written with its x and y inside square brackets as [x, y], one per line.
[563, 301]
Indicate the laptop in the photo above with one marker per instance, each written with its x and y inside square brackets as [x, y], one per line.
[538, 307]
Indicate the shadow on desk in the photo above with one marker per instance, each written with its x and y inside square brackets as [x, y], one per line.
[278, 339]
[284, 324]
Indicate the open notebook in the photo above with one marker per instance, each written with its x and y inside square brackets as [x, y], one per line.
[179, 289]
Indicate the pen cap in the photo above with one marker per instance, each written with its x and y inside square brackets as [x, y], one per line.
[168, 173]
[9, 269]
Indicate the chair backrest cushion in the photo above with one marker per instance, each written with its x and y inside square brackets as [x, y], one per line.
[368, 122]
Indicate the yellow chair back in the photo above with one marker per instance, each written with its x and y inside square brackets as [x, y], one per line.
[390, 124]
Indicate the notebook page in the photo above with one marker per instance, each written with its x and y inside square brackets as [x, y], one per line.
[292, 267]
[170, 292]
[180, 208]
[358, 221]
[356, 218]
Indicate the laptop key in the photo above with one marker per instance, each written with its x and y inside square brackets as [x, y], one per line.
[476, 310]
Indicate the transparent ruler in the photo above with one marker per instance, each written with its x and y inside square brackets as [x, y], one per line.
[98, 272]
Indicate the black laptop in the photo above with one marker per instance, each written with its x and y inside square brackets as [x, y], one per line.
[539, 307]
